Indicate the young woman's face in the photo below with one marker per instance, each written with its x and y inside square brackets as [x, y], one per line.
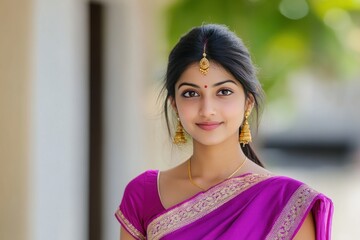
[210, 107]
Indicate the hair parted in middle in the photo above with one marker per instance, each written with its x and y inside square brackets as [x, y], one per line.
[223, 47]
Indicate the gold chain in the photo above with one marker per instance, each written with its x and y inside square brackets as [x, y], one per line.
[196, 185]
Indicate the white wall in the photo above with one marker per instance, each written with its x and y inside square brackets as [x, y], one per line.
[124, 153]
[58, 170]
[60, 135]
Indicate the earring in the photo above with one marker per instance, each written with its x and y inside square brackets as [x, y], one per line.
[179, 137]
[245, 134]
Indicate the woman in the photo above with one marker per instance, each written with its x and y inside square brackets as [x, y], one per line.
[222, 191]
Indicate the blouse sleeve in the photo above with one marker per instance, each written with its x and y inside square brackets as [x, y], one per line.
[323, 210]
[130, 211]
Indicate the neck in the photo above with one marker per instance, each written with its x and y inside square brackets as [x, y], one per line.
[216, 161]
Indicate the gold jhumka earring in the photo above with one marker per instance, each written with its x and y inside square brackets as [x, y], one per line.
[245, 134]
[204, 63]
[179, 137]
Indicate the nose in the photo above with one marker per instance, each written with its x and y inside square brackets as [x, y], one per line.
[207, 107]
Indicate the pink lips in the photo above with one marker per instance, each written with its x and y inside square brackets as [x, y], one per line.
[208, 126]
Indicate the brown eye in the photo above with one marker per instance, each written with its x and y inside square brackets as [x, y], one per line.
[225, 92]
[190, 94]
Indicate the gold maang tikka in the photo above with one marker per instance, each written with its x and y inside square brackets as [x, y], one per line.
[204, 63]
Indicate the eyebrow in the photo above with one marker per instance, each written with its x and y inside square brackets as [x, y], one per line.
[214, 85]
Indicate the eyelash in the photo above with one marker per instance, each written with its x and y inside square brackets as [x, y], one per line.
[187, 94]
[227, 90]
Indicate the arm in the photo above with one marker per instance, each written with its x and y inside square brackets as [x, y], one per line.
[307, 229]
[124, 235]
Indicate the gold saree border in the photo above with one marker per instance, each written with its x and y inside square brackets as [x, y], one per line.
[201, 205]
[292, 214]
[132, 230]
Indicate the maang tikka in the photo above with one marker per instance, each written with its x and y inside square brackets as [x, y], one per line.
[245, 134]
[204, 63]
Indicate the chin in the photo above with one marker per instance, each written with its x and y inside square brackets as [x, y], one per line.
[208, 141]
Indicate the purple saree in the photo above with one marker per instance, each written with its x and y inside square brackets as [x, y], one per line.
[250, 206]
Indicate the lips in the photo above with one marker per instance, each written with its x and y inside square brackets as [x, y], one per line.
[208, 126]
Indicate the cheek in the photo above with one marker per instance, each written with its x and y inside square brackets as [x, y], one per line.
[187, 114]
[185, 109]
[234, 110]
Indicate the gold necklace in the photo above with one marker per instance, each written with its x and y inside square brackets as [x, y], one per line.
[196, 185]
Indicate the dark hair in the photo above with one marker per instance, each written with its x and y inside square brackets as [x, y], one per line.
[223, 47]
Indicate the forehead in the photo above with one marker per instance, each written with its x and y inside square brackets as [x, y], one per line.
[215, 74]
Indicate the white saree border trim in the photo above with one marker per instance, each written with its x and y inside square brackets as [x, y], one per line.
[201, 205]
[292, 214]
[132, 230]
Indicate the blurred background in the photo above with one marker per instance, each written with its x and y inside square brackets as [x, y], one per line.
[80, 113]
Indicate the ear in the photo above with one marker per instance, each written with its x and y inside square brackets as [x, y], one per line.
[249, 103]
[173, 103]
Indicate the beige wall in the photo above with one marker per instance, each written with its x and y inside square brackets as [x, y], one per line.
[15, 29]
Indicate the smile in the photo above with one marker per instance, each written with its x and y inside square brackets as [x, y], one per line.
[208, 126]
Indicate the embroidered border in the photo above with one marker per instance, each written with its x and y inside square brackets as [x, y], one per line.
[292, 214]
[133, 231]
[202, 204]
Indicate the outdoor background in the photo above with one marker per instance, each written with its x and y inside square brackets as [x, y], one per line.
[80, 112]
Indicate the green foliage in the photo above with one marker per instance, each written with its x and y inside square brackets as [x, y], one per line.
[279, 45]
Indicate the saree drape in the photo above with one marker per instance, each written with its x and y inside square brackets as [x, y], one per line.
[250, 206]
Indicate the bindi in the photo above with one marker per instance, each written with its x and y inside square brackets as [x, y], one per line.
[205, 86]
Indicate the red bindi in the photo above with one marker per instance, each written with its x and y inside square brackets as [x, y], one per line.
[205, 86]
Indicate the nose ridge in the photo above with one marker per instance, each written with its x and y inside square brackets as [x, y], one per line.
[207, 108]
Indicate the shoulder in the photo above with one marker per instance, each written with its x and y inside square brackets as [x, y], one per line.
[132, 212]
[296, 191]
[141, 181]
[285, 181]
[139, 189]
[282, 188]
[275, 180]
[144, 177]
[280, 184]
[300, 207]
[136, 190]
[291, 183]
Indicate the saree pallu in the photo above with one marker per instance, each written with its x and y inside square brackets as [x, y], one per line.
[250, 206]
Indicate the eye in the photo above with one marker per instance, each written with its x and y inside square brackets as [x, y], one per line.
[225, 92]
[190, 94]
